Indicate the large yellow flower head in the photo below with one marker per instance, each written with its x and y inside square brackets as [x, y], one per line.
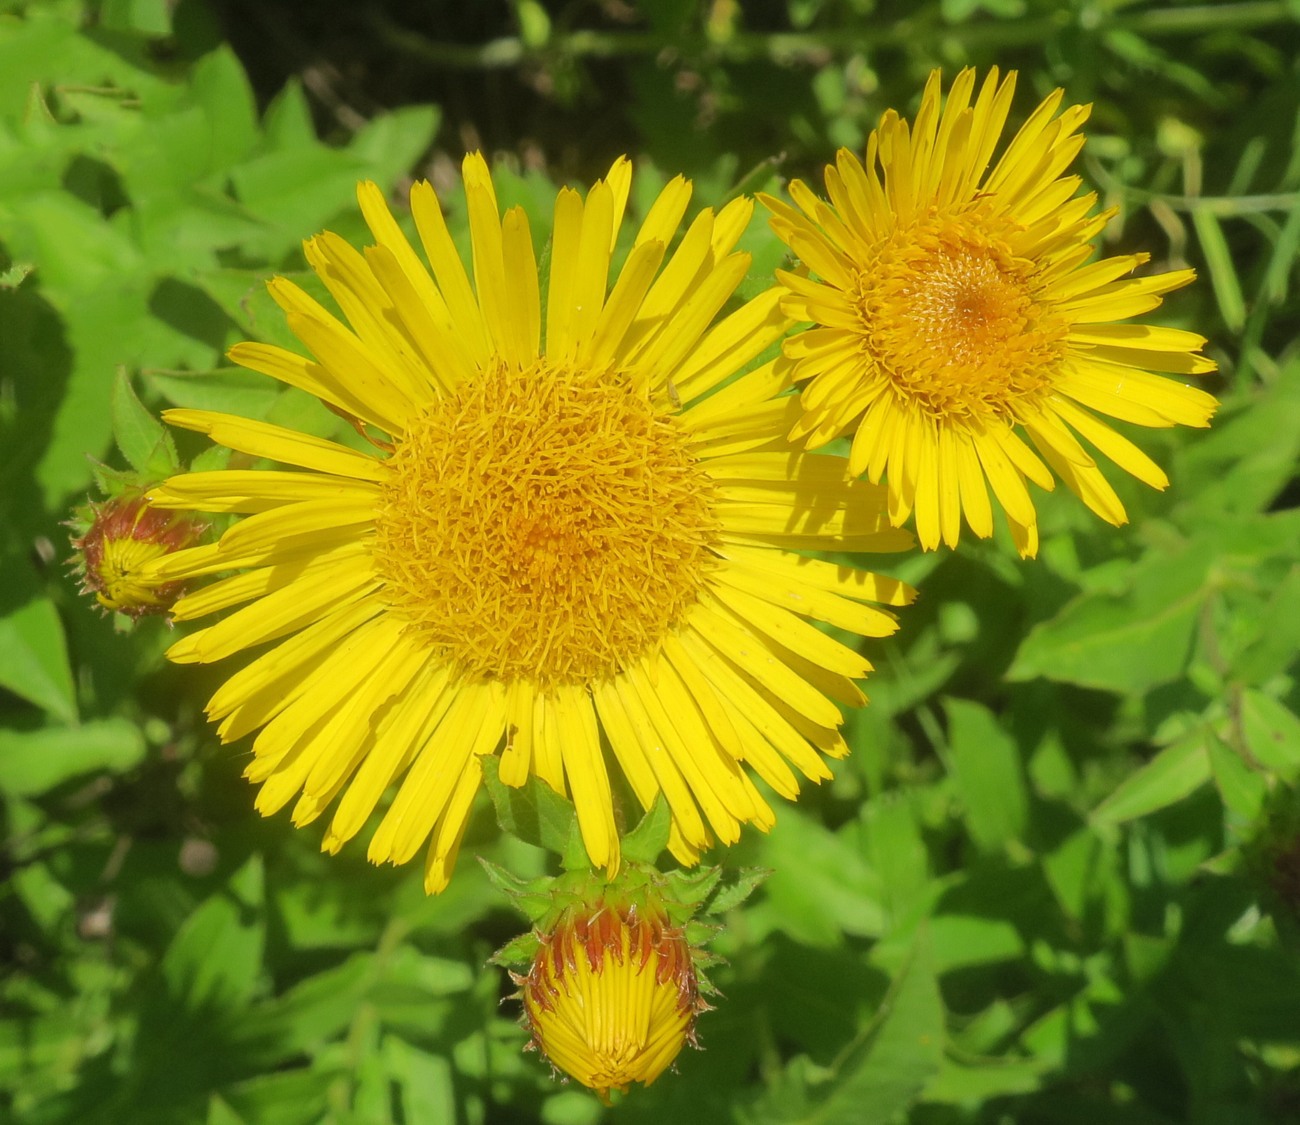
[955, 308]
[575, 522]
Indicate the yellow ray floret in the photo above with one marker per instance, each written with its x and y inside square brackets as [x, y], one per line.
[953, 316]
[570, 544]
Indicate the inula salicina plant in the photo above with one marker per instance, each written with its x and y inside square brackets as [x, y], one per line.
[610, 533]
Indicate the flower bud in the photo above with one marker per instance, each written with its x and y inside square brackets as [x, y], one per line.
[124, 535]
[612, 995]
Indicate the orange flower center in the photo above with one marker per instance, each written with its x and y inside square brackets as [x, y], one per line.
[547, 522]
[951, 319]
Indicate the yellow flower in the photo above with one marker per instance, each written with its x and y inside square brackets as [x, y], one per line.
[125, 535]
[551, 539]
[955, 307]
[612, 996]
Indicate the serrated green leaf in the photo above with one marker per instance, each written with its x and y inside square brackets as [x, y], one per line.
[518, 951]
[1176, 771]
[34, 659]
[748, 880]
[691, 889]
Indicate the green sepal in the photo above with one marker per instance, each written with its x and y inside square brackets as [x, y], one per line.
[15, 275]
[698, 932]
[693, 888]
[508, 882]
[647, 841]
[114, 482]
[748, 880]
[573, 856]
[518, 952]
[209, 460]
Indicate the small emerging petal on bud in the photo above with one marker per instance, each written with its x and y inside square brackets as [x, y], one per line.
[124, 536]
[612, 995]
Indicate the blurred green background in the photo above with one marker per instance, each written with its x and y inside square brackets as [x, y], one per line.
[1058, 879]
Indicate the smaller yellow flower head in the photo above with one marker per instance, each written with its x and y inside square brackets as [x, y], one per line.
[126, 534]
[612, 995]
[960, 328]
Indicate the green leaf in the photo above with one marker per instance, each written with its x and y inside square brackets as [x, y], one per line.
[141, 437]
[231, 390]
[1274, 648]
[287, 1097]
[961, 940]
[424, 1082]
[1128, 642]
[1248, 456]
[391, 143]
[214, 960]
[885, 1074]
[1223, 270]
[893, 843]
[146, 17]
[821, 885]
[287, 123]
[986, 767]
[34, 659]
[1243, 789]
[308, 1014]
[888, 1067]
[971, 1081]
[1179, 769]
[221, 89]
[1271, 731]
[34, 762]
[534, 812]
[43, 893]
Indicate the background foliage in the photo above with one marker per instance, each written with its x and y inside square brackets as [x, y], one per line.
[1057, 880]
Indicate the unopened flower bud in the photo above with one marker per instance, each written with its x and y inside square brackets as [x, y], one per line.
[612, 995]
[124, 535]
